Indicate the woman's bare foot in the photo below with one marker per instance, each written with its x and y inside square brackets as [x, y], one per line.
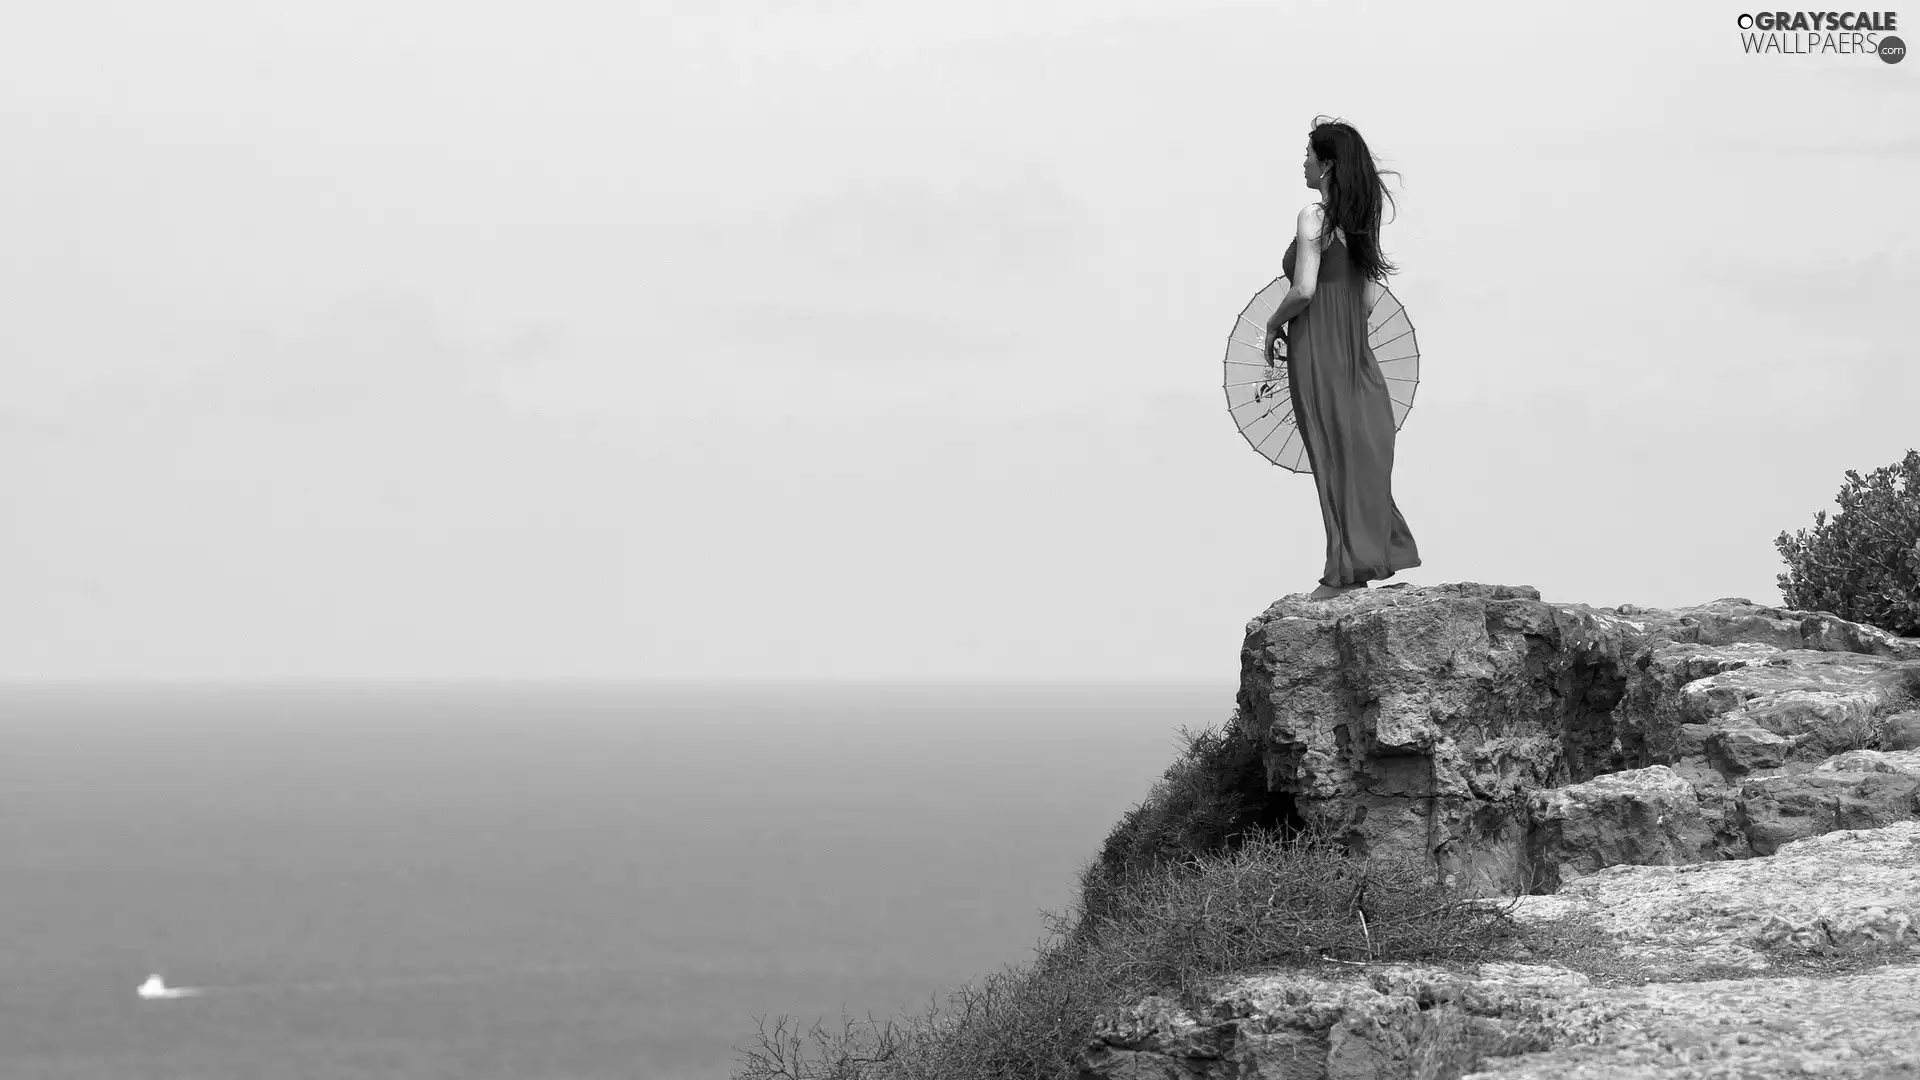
[1328, 592]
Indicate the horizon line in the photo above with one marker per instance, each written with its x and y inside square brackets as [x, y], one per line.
[579, 681]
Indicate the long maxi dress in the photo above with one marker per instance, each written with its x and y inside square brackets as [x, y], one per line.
[1345, 417]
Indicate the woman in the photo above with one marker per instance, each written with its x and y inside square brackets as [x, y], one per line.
[1340, 400]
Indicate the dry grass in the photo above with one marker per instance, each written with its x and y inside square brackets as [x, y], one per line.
[1206, 879]
[1280, 900]
[1271, 901]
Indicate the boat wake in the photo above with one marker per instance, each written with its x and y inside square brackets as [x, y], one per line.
[156, 988]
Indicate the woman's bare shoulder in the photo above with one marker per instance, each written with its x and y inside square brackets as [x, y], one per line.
[1313, 223]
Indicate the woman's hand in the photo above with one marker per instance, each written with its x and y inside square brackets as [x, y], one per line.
[1274, 333]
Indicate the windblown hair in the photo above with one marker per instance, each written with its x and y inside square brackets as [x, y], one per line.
[1355, 194]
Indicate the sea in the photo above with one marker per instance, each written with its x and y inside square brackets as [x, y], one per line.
[520, 881]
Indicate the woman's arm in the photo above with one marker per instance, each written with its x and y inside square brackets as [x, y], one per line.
[1306, 271]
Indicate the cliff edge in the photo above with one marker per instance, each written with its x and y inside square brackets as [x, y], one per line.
[1709, 794]
[1519, 743]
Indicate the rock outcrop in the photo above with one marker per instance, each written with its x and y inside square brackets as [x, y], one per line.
[1519, 1022]
[1708, 794]
[1520, 743]
[1855, 892]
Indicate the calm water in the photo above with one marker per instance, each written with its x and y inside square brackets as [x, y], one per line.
[532, 883]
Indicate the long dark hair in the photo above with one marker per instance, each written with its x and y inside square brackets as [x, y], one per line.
[1355, 193]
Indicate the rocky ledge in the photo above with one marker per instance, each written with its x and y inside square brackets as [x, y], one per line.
[1519, 743]
[1707, 793]
[1846, 893]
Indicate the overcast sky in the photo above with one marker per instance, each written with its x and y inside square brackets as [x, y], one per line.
[863, 339]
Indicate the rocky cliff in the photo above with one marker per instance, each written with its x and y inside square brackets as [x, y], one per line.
[1519, 743]
[1708, 791]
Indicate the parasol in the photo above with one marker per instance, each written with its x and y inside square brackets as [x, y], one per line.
[1258, 396]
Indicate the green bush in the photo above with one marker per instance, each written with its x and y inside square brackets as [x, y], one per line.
[1864, 564]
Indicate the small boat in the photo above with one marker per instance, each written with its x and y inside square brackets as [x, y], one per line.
[156, 987]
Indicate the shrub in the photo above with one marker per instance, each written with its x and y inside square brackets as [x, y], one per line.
[1207, 801]
[1864, 564]
[1287, 900]
[1272, 901]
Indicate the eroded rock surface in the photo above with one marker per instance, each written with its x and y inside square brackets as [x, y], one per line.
[1851, 892]
[1520, 743]
[1843, 892]
[1645, 816]
[1519, 1022]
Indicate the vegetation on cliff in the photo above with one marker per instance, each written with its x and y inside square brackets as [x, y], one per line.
[1863, 564]
[1205, 878]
